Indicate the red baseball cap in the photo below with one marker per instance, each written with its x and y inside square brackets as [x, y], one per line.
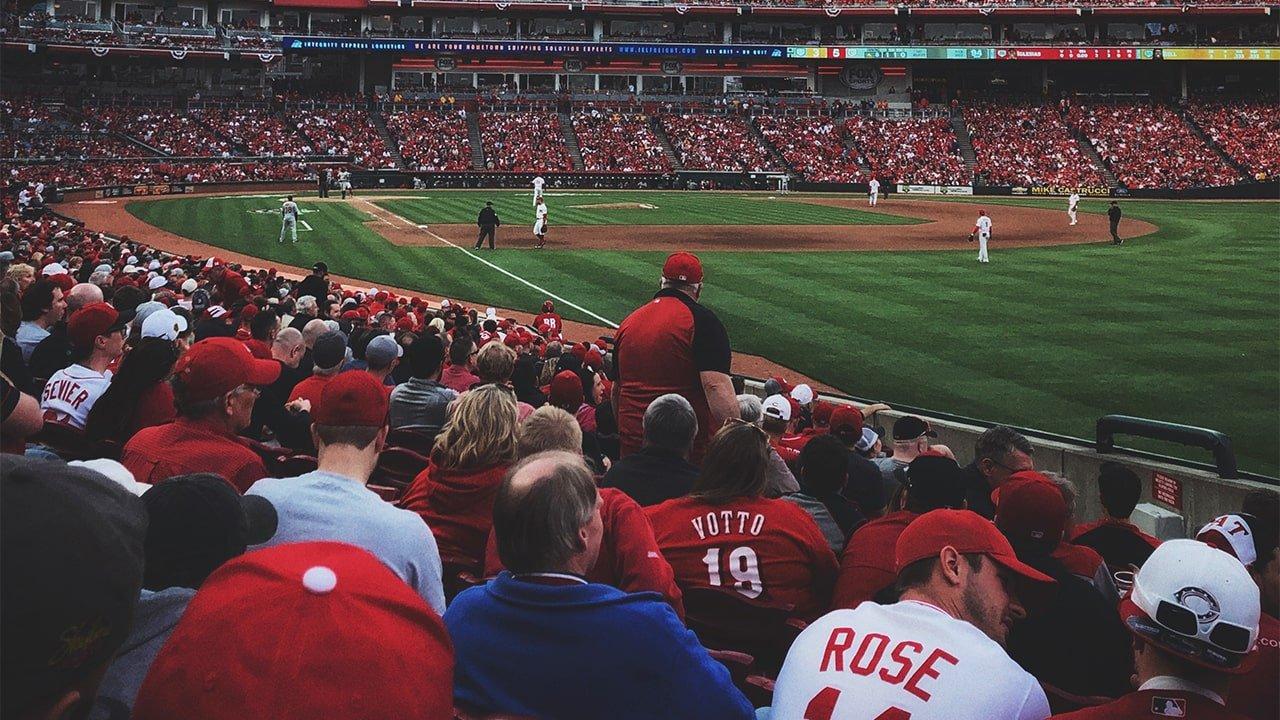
[352, 398]
[683, 267]
[1032, 512]
[566, 390]
[822, 411]
[94, 320]
[1020, 475]
[967, 532]
[270, 631]
[846, 420]
[216, 366]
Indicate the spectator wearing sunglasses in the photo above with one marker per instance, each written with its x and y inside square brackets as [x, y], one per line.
[999, 452]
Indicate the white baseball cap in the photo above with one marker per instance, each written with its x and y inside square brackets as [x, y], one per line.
[165, 324]
[802, 394]
[216, 311]
[53, 269]
[189, 285]
[157, 282]
[113, 470]
[776, 407]
[1231, 534]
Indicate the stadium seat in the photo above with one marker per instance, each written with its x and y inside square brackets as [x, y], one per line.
[459, 574]
[1061, 701]
[398, 466]
[724, 619]
[738, 663]
[461, 713]
[759, 690]
[67, 441]
[418, 438]
[294, 465]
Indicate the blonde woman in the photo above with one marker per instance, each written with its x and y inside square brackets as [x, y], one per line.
[455, 494]
[22, 275]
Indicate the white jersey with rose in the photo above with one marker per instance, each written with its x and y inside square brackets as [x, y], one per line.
[907, 661]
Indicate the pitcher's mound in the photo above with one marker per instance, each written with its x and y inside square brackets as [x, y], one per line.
[616, 206]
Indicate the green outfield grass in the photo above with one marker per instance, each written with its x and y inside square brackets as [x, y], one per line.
[1182, 325]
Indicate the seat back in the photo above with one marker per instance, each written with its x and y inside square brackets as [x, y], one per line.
[725, 620]
[459, 574]
[418, 438]
[295, 465]
[398, 466]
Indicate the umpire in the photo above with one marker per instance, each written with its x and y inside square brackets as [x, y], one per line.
[488, 222]
[1113, 214]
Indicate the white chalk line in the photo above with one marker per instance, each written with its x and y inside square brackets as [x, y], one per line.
[504, 271]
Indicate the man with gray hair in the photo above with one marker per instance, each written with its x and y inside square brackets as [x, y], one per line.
[305, 310]
[548, 530]
[54, 352]
[661, 469]
[999, 452]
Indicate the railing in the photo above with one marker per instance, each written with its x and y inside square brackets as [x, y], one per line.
[1215, 442]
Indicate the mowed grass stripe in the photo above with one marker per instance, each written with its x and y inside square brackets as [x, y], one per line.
[1181, 325]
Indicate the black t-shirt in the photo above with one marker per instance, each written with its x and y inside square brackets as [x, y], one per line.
[314, 285]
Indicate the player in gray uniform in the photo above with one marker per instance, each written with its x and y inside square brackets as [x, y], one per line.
[289, 219]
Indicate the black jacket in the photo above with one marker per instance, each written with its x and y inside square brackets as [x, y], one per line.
[651, 476]
[977, 491]
[52, 353]
[316, 286]
[488, 217]
[1114, 213]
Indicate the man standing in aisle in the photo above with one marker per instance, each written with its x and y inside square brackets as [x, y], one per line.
[540, 223]
[538, 182]
[982, 229]
[1073, 205]
[488, 223]
[873, 191]
[1113, 214]
[289, 219]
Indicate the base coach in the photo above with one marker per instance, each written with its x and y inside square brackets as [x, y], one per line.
[488, 222]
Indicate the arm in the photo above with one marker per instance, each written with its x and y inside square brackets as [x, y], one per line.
[718, 388]
[638, 564]
[25, 419]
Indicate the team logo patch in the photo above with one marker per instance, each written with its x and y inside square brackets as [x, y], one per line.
[1168, 707]
[1200, 602]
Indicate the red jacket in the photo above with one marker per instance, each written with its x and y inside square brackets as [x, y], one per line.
[1151, 704]
[629, 556]
[458, 507]
[766, 549]
[1254, 693]
[183, 447]
[867, 566]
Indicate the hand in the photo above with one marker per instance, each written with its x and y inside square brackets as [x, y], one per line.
[300, 405]
[874, 408]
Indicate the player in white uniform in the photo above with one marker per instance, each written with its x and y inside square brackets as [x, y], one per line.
[982, 229]
[1073, 205]
[344, 184]
[936, 654]
[538, 182]
[873, 191]
[540, 223]
[289, 219]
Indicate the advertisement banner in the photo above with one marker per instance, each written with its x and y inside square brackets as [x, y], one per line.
[142, 189]
[935, 189]
[1065, 190]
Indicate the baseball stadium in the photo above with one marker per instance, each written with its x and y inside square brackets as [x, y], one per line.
[356, 301]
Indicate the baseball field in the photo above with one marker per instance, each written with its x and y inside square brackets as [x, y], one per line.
[1180, 323]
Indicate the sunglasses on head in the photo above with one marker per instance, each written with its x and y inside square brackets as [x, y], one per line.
[1182, 620]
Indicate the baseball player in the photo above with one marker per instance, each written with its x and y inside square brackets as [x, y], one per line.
[289, 219]
[1073, 205]
[540, 223]
[982, 230]
[937, 653]
[873, 191]
[344, 184]
[538, 182]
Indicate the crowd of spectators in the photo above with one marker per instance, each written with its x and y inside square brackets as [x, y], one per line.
[68, 175]
[716, 142]
[1245, 129]
[345, 132]
[814, 146]
[174, 132]
[1026, 144]
[435, 139]
[260, 131]
[524, 142]
[909, 150]
[67, 145]
[618, 142]
[1149, 145]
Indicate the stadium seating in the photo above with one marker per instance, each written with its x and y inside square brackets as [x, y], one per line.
[1027, 144]
[618, 142]
[716, 142]
[173, 132]
[1246, 129]
[815, 147]
[95, 174]
[524, 142]
[431, 139]
[260, 131]
[344, 132]
[1148, 145]
[909, 150]
[67, 145]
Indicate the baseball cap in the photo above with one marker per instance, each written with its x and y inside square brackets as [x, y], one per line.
[934, 481]
[189, 285]
[71, 550]
[967, 532]
[157, 282]
[776, 407]
[1196, 602]
[802, 394]
[683, 267]
[1032, 513]
[198, 522]
[329, 350]
[1232, 534]
[846, 423]
[321, 267]
[113, 470]
[165, 324]
[381, 350]
[144, 310]
[94, 320]
[333, 608]
[215, 366]
[352, 398]
[53, 269]
[566, 390]
[867, 441]
[822, 413]
[910, 427]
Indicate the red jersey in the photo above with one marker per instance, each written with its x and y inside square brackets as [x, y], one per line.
[554, 324]
[766, 549]
[661, 348]
[232, 287]
[788, 454]
[1149, 704]
[1254, 693]
[183, 447]
[458, 507]
[629, 556]
[867, 566]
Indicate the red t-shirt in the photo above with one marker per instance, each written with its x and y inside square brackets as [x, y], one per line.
[766, 549]
[788, 454]
[183, 447]
[553, 321]
[1155, 704]
[867, 566]
[661, 348]
[629, 556]
[1254, 693]
[458, 507]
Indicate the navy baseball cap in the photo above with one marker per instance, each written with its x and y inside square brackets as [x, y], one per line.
[910, 427]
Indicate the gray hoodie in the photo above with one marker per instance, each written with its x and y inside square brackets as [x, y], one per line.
[154, 618]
